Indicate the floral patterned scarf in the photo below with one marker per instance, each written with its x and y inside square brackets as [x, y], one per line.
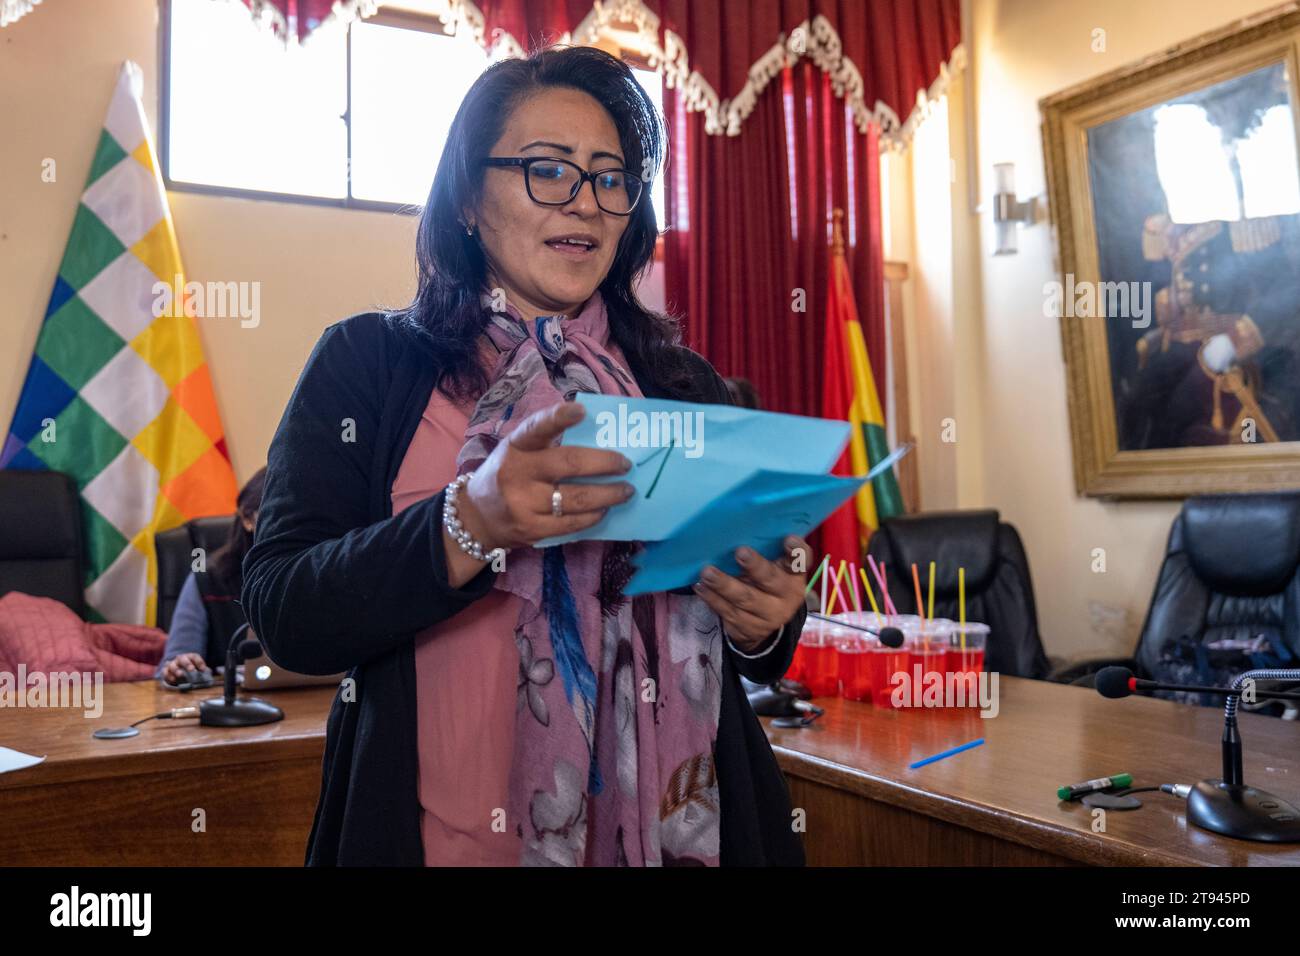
[618, 699]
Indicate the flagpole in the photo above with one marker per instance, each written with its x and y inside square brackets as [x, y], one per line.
[837, 231]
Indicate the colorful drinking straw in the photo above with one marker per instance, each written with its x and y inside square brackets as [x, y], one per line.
[842, 575]
[826, 566]
[884, 580]
[835, 586]
[878, 571]
[947, 753]
[961, 605]
[853, 580]
[920, 608]
[816, 574]
[871, 597]
[930, 613]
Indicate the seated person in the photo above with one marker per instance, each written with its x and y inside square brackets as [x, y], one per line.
[207, 610]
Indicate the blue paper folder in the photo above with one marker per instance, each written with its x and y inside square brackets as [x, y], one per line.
[708, 479]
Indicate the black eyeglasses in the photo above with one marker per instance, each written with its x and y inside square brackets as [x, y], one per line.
[556, 182]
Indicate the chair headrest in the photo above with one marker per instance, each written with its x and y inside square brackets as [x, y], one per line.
[39, 516]
[1243, 544]
[952, 539]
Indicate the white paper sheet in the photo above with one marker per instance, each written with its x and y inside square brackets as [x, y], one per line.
[16, 760]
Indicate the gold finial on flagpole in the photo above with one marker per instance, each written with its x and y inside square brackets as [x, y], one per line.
[837, 231]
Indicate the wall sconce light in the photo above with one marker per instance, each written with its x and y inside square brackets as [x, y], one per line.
[1008, 211]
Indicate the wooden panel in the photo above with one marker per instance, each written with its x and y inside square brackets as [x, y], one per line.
[254, 814]
[844, 829]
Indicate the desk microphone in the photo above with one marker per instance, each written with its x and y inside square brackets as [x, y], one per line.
[1226, 805]
[1116, 682]
[230, 710]
[889, 636]
[773, 700]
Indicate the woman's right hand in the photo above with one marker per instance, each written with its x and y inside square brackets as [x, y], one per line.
[174, 670]
[507, 503]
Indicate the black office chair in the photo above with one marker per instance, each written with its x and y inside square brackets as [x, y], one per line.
[1231, 573]
[42, 550]
[999, 591]
[175, 552]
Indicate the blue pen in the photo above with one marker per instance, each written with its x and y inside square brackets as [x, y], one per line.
[946, 753]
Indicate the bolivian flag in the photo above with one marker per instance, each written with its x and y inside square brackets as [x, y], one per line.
[118, 394]
[849, 394]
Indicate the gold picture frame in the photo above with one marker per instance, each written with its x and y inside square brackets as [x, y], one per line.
[1105, 413]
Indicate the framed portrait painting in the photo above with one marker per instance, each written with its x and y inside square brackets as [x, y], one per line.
[1174, 186]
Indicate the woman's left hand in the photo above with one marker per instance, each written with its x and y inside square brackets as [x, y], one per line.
[763, 598]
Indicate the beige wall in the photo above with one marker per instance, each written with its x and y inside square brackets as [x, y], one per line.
[930, 329]
[316, 264]
[932, 230]
[1023, 50]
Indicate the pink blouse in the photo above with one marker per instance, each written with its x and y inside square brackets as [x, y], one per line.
[466, 669]
[467, 673]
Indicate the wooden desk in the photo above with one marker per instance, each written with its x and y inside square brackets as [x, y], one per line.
[130, 802]
[997, 805]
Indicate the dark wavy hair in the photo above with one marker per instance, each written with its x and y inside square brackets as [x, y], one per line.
[228, 560]
[446, 316]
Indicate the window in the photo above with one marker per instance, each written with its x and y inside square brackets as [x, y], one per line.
[375, 99]
[406, 87]
[270, 120]
[653, 84]
[292, 121]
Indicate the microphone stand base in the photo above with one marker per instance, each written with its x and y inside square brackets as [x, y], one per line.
[242, 712]
[1242, 812]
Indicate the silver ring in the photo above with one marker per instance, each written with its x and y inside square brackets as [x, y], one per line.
[557, 503]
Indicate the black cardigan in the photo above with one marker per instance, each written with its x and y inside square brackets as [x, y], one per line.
[335, 582]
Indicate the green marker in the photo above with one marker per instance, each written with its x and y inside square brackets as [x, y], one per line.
[1093, 786]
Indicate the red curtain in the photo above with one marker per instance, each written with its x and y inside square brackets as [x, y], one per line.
[533, 23]
[747, 256]
[749, 215]
[896, 45]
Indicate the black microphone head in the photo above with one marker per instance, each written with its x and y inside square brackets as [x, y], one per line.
[1113, 682]
[891, 637]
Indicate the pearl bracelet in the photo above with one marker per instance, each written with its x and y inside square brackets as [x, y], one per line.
[451, 522]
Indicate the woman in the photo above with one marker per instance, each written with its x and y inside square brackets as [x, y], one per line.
[516, 711]
[207, 609]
